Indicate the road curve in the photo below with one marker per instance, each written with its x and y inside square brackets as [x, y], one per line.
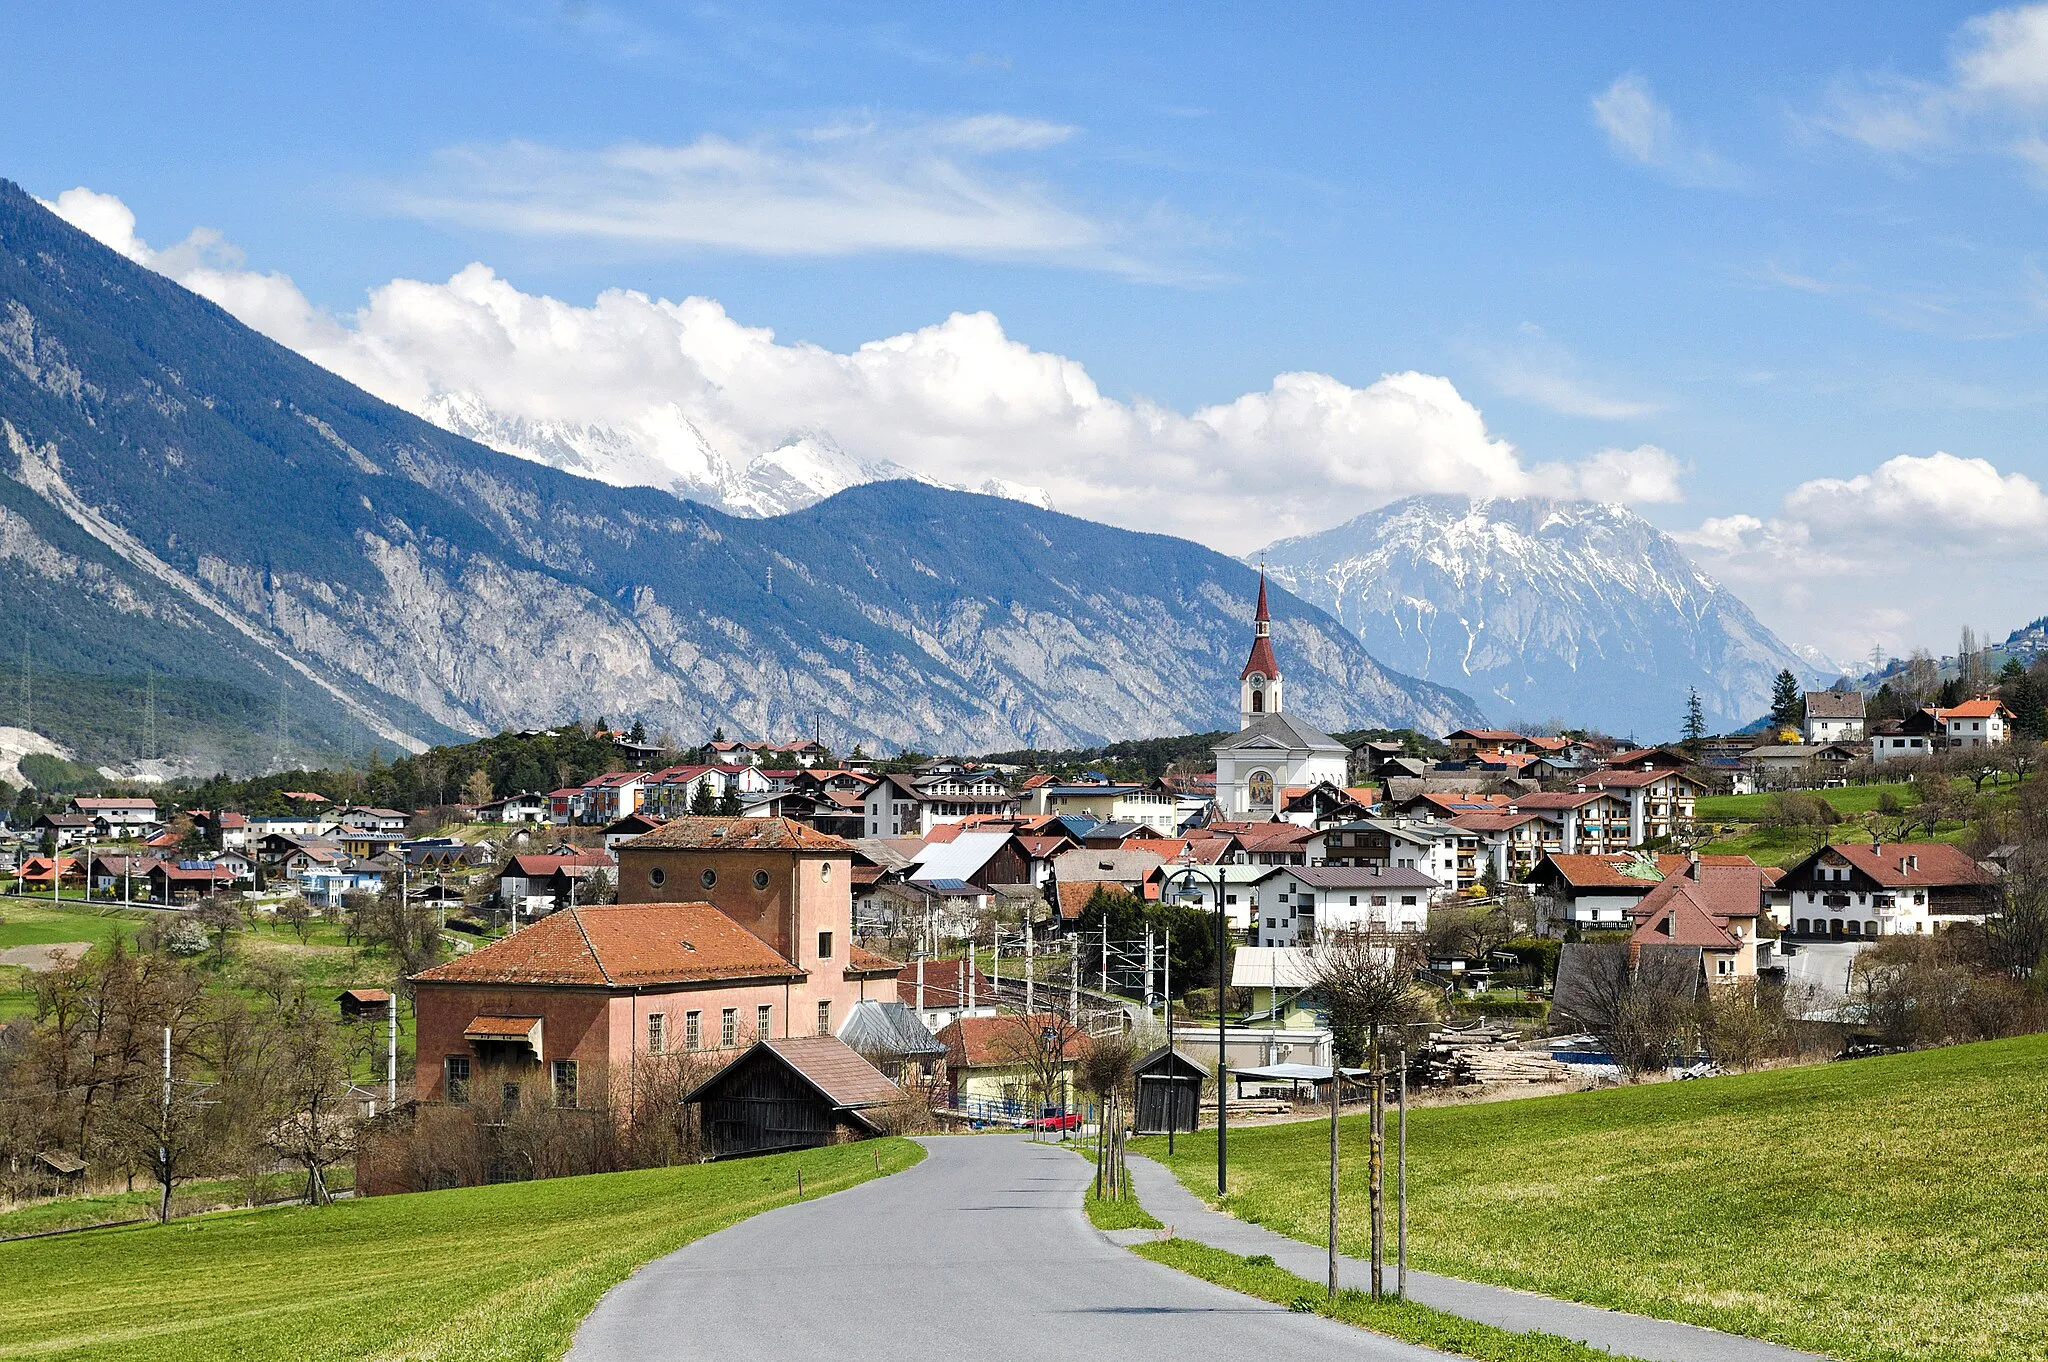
[981, 1250]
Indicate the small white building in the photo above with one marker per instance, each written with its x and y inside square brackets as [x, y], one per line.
[1983, 722]
[1834, 716]
[1296, 904]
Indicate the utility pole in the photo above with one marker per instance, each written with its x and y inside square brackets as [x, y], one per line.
[920, 986]
[391, 1054]
[1401, 1179]
[163, 1136]
[1030, 970]
[1148, 971]
[1336, 1102]
[1105, 954]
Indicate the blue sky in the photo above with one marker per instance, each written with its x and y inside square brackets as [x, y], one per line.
[1761, 253]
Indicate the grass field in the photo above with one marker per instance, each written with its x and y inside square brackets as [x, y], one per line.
[1849, 801]
[192, 1198]
[479, 1274]
[33, 922]
[1879, 1209]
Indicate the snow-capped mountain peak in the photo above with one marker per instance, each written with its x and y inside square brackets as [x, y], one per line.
[1542, 609]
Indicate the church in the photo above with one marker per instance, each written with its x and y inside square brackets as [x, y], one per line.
[1270, 751]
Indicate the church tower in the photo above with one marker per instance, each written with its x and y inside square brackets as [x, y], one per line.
[1259, 682]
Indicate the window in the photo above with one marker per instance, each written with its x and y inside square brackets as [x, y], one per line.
[824, 945]
[457, 1081]
[729, 1027]
[693, 1030]
[508, 1095]
[565, 1083]
[657, 1033]
[825, 1018]
[708, 878]
[1407, 900]
[1354, 900]
[764, 1021]
[656, 876]
[825, 872]
[760, 879]
[1724, 966]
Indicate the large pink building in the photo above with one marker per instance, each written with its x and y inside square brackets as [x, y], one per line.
[571, 1004]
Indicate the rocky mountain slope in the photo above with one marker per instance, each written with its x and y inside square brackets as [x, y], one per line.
[1542, 609]
[181, 495]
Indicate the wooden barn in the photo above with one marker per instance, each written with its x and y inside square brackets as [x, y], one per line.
[794, 1093]
[359, 1003]
[1169, 1091]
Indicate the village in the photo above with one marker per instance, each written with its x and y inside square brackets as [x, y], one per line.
[927, 927]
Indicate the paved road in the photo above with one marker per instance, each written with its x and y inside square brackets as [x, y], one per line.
[981, 1250]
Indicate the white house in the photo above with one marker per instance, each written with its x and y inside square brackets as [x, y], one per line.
[1449, 855]
[1298, 903]
[1857, 891]
[1983, 722]
[905, 806]
[1834, 716]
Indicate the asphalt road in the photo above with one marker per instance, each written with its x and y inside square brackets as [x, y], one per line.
[982, 1250]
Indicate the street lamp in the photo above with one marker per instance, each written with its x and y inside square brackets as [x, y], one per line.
[1189, 872]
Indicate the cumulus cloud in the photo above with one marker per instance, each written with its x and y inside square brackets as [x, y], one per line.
[1640, 128]
[1851, 562]
[946, 187]
[684, 384]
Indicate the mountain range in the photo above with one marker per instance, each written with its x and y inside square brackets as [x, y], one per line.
[1540, 609]
[183, 498]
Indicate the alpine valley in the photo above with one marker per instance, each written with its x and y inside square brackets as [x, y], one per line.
[1540, 609]
[194, 514]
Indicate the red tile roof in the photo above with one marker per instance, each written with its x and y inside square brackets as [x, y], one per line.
[749, 834]
[621, 945]
[945, 984]
[1681, 921]
[1973, 709]
[1914, 865]
[1001, 1042]
[1074, 895]
[862, 961]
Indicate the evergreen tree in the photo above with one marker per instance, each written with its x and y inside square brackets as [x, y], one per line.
[1788, 709]
[702, 804]
[638, 733]
[1695, 717]
[729, 805]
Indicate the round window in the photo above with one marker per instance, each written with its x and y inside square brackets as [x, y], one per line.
[825, 871]
[656, 876]
[708, 878]
[760, 879]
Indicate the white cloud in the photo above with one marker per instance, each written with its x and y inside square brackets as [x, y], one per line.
[1640, 128]
[1990, 97]
[949, 187]
[959, 401]
[1899, 556]
[1539, 369]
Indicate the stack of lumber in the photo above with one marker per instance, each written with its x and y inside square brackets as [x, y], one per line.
[1487, 1054]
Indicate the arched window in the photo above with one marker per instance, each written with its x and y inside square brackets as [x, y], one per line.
[1258, 702]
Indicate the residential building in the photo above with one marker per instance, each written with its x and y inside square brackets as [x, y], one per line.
[1862, 890]
[60, 830]
[1509, 844]
[1812, 765]
[525, 807]
[1982, 722]
[612, 796]
[1604, 893]
[1446, 853]
[534, 885]
[1716, 905]
[911, 806]
[1152, 805]
[994, 1065]
[1919, 734]
[941, 991]
[1299, 903]
[1660, 798]
[1834, 716]
[117, 817]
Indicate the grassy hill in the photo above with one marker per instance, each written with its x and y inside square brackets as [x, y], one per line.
[479, 1274]
[1878, 1209]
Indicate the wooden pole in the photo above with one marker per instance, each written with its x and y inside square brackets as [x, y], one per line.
[1379, 1164]
[1401, 1181]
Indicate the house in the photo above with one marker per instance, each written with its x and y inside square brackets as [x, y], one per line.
[565, 806]
[569, 1004]
[1447, 854]
[612, 796]
[631, 826]
[1324, 803]
[890, 1036]
[1716, 905]
[1982, 722]
[60, 830]
[525, 807]
[1154, 806]
[116, 817]
[984, 859]
[1199, 891]
[911, 806]
[41, 871]
[1013, 1067]
[365, 843]
[799, 1092]
[356, 817]
[1834, 716]
[1659, 796]
[1587, 893]
[1861, 890]
[941, 991]
[327, 883]
[1919, 734]
[225, 830]
[126, 876]
[533, 884]
[1471, 742]
[673, 791]
[1510, 844]
[1134, 872]
[174, 882]
[1299, 903]
[1813, 765]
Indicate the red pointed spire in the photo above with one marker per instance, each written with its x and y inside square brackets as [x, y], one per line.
[1261, 661]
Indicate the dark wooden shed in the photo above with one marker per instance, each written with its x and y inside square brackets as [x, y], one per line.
[357, 1003]
[1169, 1091]
[796, 1093]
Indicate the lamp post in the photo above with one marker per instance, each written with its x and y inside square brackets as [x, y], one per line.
[1188, 872]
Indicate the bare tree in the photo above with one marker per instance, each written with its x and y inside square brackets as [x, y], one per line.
[1367, 982]
[1106, 1070]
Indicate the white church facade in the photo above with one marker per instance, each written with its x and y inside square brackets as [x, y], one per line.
[1270, 751]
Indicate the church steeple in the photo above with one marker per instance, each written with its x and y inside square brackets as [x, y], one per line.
[1259, 682]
